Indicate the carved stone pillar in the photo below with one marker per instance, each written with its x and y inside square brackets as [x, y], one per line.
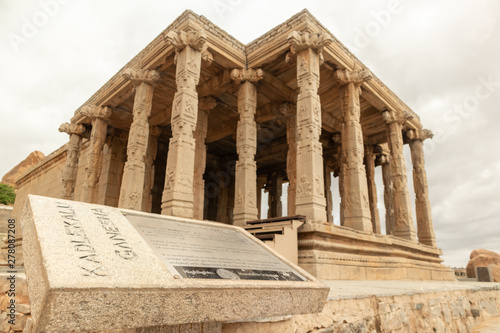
[70, 170]
[152, 151]
[275, 191]
[403, 223]
[310, 196]
[261, 182]
[134, 172]
[328, 193]
[245, 204]
[425, 229]
[200, 155]
[178, 195]
[372, 188]
[291, 157]
[388, 192]
[355, 190]
[100, 117]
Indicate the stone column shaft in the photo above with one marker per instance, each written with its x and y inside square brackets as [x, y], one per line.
[291, 159]
[328, 194]
[178, 194]
[372, 188]
[403, 223]
[245, 204]
[275, 206]
[425, 229]
[355, 188]
[134, 173]
[70, 170]
[200, 156]
[152, 151]
[388, 194]
[310, 192]
[100, 117]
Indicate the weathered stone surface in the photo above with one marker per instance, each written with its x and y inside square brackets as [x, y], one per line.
[10, 177]
[484, 274]
[484, 258]
[87, 263]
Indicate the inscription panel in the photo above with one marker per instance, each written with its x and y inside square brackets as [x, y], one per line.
[202, 251]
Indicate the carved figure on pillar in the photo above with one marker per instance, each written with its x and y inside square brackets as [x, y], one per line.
[100, 117]
[310, 195]
[245, 206]
[133, 188]
[204, 106]
[70, 170]
[178, 197]
[355, 198]
[425, 228]
[403, 223]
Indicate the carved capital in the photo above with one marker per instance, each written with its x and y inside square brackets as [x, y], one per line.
[207, 103]
[420, 135]
[101, 112]
[251, 75]
[137, 76]
[343, 76]
[191, 37]
[304, 40]
[77, 129]
[390, 116]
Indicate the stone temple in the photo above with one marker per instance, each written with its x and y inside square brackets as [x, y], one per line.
[198, 125]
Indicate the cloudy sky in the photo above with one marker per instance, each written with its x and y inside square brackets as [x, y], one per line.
[439, 57]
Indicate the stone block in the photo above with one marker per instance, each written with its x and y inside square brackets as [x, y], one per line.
[92, 267]
[484, 274]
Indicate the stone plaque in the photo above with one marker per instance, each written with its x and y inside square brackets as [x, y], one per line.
[206, 251]
[484, 274]
[95, 268]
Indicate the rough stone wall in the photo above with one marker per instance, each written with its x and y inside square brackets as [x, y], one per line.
[43, 179]
[5, 215]
[440, 312]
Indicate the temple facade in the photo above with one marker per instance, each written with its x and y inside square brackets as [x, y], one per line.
[198, 125]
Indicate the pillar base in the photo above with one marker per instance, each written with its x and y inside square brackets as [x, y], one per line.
[359, 223]
[178, 208]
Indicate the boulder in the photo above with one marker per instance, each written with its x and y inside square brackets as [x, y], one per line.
[10, 177]
[484, 258]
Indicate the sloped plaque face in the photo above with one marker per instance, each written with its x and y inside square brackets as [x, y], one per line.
[201, 251]
[115, 265]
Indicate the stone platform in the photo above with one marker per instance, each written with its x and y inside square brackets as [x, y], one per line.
[392, 306]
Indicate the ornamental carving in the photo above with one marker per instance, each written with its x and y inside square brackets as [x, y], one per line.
[420, 135]
[357, 77]
[304, 40]
[77, 129]
[191, 37]
[138, 76]
[100, 112]
[251, 75]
